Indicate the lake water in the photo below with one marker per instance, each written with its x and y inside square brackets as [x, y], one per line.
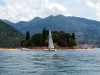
[50, 62]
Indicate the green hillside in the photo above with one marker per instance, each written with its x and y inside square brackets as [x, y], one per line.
[9, 36]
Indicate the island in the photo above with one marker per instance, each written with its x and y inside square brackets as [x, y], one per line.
[61, 41]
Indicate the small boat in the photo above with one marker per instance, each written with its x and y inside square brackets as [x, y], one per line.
[50, 45]
[24, 49]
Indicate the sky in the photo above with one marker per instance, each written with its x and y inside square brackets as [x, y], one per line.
[25, 10]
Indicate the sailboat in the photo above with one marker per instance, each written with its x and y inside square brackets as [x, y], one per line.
[24, 49]
[50, 44]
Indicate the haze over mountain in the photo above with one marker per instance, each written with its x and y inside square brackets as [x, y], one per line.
[9, 36]
[87, 31]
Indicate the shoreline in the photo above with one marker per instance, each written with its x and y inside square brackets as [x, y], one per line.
[45, 48]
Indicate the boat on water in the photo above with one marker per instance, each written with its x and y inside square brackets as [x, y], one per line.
[24, 49]
[50, 44]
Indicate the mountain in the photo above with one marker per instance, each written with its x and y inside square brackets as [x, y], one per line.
[87, 31]
[24, 26]
[9, 36]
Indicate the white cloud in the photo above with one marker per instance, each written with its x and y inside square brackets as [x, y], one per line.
[96, 5]
[16, 10]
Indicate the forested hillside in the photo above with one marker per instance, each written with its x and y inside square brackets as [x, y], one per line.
[9, 36]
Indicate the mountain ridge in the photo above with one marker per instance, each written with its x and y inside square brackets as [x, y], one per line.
[87, 31]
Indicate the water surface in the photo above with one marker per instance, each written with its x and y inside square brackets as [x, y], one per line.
[50, 62]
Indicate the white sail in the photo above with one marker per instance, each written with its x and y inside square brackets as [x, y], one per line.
[51, 45]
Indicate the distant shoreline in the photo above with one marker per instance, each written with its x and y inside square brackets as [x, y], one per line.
[45, 48]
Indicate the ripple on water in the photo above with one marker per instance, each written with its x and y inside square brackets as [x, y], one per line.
[50, 63]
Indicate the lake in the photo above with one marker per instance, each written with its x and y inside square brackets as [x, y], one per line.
[70, 62]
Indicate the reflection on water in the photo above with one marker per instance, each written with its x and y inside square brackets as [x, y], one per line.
[50, 63]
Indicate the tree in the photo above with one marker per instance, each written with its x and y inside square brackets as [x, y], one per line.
[27, 35]
[22, 42]
[60, 39]
[72, 41]
[44, 37]
[26, 43]
[37, 39]
[73, 35]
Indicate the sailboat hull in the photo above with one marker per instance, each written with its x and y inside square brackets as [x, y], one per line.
[24, 49]
[50, 49]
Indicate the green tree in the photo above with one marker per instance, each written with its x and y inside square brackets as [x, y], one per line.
[28, 43]
[37, 39]
[44, 37]
[73, 35]
[27, 35]
[72, 41]
[60, 39]
[22, 42]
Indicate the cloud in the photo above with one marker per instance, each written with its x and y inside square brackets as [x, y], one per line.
[96, 5]
[16, 10]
